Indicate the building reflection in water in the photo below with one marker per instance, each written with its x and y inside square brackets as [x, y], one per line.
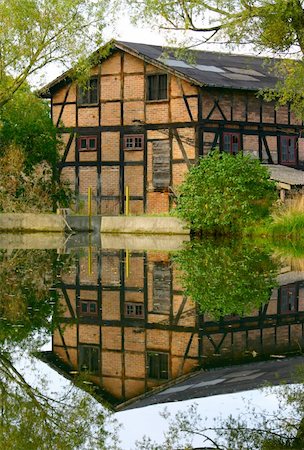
[126, 324]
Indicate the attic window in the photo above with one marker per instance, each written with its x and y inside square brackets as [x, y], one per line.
[88, 94]
[157, 87]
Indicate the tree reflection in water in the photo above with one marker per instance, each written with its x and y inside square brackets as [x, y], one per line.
[32, 417]
[226, 277]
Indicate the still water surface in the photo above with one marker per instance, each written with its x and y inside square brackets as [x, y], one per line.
[136, 327]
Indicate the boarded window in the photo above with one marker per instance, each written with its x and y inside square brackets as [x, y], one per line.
[158, 366]
[157, 87]
[162, 277]
[89, 358]
[161, 164]
[88, 94]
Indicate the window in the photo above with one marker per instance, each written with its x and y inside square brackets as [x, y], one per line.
[88, 95]
[135, 310]
[89, 359]
[134, 142]
[88, 308]
[288, 149]
[231, 143]
[87, 143]
[288, 299]
[157, 87]
[158, 366]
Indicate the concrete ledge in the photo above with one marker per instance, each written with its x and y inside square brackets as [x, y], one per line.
[158, 242]
[143, 225]
[27, 241]
[31, 222]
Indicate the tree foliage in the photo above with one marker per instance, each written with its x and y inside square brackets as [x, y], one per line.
[25, 122]
[272, 26]
[28, 304]
[37, 191]
[226, 277]
[35, 33]
[33, 418]
[223, 193]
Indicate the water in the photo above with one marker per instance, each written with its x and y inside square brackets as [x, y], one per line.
[134, 325]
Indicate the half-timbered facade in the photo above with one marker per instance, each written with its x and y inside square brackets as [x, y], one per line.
[127, 327]
[145, 117]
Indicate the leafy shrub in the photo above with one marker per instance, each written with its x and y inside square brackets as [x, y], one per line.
[223, 193]
[226, 277]
[37, 191]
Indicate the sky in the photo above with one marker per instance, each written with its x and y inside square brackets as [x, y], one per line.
[139, 422]
[124, 30]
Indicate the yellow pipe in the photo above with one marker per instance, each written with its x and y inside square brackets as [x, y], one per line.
[90, 207]
[127, 209]
[127, 263]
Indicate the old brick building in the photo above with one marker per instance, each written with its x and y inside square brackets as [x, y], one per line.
[145, 118]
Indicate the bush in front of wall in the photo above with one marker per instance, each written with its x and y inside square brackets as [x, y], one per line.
[224, 193]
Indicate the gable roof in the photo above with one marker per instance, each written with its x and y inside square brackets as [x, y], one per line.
[213, 69]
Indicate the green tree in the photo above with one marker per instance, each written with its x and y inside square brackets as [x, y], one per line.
[226, 277]
[223, 193]
[35, 33]
[275, 26]
[33, 418]
[28, 302]
[25, 122]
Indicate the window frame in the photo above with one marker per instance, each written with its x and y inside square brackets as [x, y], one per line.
[231, 134]
[149, 90]
[91, 348]
[84, 97]
[87, 138]
[133, 137]
[152, 355]
[89, 313]
[133, 315]
[283, 138]
[289, 288]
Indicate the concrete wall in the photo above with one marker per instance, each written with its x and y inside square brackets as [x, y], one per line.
[31, 222]
[143, 225]
[117, 224]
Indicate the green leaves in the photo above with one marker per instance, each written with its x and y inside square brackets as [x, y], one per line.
[34, 33]
[223, 193]
[226, 277]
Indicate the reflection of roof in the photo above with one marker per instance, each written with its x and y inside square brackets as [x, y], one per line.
[203, 68]
[227, 380]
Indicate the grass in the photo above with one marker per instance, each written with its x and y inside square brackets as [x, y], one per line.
[288, 219]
